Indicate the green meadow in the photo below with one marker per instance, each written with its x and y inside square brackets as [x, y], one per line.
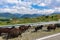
[9, 21]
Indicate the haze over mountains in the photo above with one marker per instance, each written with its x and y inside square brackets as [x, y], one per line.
[16, 15]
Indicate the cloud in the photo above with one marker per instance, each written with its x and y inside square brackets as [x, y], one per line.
[8, 10]
[12, 1]
[25, 6]
[42, 4]
[48, 1]
[57, 9]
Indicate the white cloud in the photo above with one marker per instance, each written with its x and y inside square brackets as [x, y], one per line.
[57, 9]
[42, 4]
[24, 4]
[25, 7]
[48, 1]
[50, 11]
[8, 10]
[25, 10]
[11, 1]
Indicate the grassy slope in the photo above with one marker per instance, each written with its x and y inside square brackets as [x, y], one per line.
[54, 17]
[40, 19]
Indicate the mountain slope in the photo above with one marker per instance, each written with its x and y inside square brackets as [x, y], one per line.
[16, 15]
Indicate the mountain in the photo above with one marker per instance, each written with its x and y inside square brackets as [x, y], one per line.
[9, 15]
[31, 15]
[6, 15]
[16, 15]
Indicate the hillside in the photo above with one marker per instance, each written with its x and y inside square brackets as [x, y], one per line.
[17, 15]
[43, 18]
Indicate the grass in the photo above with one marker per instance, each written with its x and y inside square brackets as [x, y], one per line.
[54, 17]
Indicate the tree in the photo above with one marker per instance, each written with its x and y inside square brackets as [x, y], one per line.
[46, 16]
[26, 18]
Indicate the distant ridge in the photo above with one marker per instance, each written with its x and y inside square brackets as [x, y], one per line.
[16, 15]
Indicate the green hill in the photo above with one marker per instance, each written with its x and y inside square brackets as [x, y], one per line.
[5, 21]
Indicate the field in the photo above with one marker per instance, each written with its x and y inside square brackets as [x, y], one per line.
[12, 21]
[29, 35]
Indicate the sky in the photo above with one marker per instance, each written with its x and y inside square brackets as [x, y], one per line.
[30, 6]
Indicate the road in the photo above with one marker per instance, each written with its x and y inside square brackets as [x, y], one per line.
[51, 37]
[54, 38]
[33, 24]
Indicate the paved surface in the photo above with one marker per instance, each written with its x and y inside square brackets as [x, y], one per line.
[51, 37]
[54, 38]
[33, 24]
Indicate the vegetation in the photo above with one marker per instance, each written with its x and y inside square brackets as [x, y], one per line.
[5, 21]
